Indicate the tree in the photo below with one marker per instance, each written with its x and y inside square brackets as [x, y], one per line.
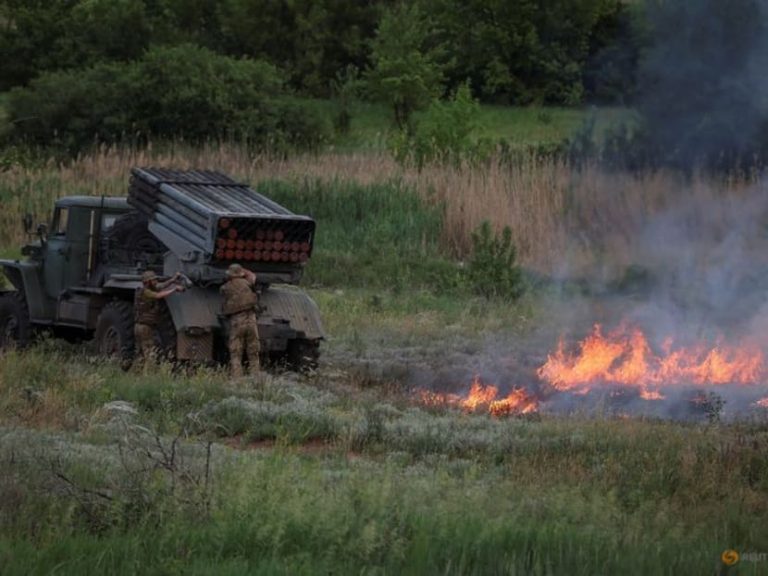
[407, 62]
[171, 92]
[311, 40]
[523, 51]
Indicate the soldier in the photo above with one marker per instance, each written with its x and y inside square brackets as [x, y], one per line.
[240, 302]
[147, 309]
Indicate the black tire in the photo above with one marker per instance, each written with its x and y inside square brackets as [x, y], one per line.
[15, 327]
[114, 331]
[303, 355]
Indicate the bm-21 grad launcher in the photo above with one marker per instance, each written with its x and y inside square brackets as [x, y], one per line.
[82, 274]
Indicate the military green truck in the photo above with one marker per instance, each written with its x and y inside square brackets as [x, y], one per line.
[78, 278]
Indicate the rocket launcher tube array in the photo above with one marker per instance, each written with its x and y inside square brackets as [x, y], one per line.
[202, 209]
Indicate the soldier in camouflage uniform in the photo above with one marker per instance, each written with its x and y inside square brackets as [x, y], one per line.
[240, 303]
[147, 310]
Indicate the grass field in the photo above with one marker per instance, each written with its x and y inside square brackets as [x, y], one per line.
[343, 471]
[518, 126]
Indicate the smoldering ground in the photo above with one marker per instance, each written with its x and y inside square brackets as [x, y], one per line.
[698, 280]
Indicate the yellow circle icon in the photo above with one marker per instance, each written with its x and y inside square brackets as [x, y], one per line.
[729, 557]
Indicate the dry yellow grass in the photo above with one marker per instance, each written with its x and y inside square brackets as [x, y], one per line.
[563, 221]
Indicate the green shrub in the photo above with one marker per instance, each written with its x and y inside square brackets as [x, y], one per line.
[296, 421]
[493, 268]
[178, 92]
[443, 133]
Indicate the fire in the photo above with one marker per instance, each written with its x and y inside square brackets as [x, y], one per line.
[517, 402]
[762, 403]
[483, 397]
[626, 358]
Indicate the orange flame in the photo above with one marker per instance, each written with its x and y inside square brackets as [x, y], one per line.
[484, 397]
[625, 357]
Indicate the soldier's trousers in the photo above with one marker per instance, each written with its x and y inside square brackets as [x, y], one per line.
[145, 340]
[243, 336]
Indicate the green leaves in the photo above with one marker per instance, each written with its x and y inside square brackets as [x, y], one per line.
[493, 269]
[176, 92]
[443, 133]
[407, 62]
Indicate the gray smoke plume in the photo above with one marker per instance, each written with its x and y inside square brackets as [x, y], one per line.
[703, 88]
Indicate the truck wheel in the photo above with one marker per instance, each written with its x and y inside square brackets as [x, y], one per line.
[15, 328]
[303, 354]
[114, 331]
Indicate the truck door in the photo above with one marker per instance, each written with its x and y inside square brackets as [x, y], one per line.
[56, 253]
[66, 258]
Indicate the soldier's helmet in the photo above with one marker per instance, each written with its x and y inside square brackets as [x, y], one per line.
[148, 277]
[235, 271]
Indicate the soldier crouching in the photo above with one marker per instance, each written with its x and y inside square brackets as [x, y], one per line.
[239, 307]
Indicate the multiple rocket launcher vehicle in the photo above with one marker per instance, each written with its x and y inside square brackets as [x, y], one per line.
[80, 276]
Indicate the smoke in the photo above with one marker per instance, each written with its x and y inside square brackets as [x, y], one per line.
[703, 90]
[701, 262]
[708, 263]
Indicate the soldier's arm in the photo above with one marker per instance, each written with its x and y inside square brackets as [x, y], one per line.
[250, 276]
[165, 283]
[159, 295]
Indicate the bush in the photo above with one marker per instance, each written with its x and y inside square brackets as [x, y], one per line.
[443, 133]
[179, 92]
[493, 269]
[296, 421]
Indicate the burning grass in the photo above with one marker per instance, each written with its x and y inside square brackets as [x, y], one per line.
[483, 398]
[396, 486]
[625, 357]
[623, 369]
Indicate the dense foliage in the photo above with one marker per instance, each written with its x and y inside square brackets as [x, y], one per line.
[183, 92]
[531, 50]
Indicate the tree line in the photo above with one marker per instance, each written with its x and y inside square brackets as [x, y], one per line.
[91, 71]
[543, 51]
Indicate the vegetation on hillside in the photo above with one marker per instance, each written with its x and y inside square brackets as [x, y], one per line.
[529, 51]
[456, 236]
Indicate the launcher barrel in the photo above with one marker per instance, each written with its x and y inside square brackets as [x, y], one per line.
[207, 218]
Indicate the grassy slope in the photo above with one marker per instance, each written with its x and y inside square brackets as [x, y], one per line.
[359, 480]
[341, 472]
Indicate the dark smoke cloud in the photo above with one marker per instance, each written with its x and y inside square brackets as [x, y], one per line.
[703, 87]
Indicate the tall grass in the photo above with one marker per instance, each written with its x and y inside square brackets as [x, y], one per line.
[559, 217]
[288, 515]
[381, 234]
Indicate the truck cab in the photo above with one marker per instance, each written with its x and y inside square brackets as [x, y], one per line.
[71, 249]
[60, 262]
